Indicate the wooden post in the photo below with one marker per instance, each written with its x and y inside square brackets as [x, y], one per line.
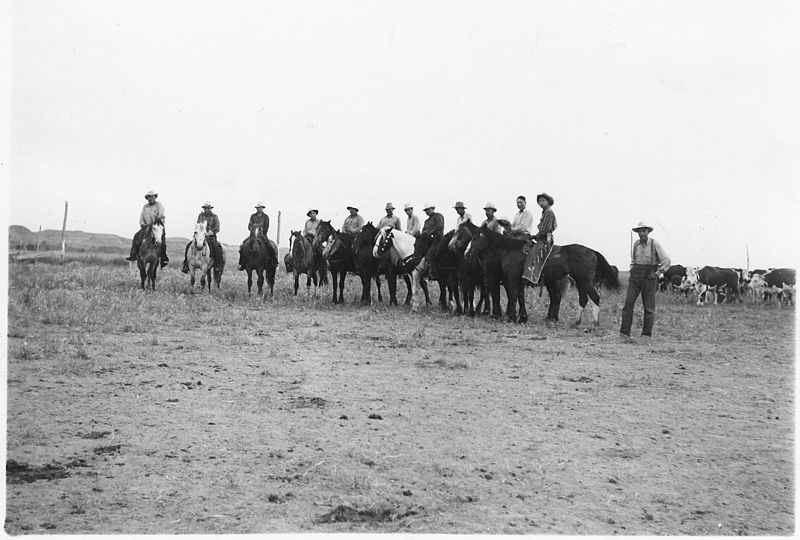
[63, 229]
[278, 233]
[38, 241]
[747, 248]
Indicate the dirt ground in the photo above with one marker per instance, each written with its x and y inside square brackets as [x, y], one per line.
[177, 412]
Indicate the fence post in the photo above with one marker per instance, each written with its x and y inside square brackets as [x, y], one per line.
[63, 228]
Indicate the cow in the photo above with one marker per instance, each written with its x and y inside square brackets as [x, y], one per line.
[778, 281]
[712, 280]
[666, 280]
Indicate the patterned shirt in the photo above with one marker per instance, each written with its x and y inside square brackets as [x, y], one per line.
[434, 225]
[412, 225]
[256, 219]
[522, 222]
[547, 223]
[150, 212]
[650, 253]
[462, 219]
[390, 221]
[353, 224]
[310, 228]
[212, 223]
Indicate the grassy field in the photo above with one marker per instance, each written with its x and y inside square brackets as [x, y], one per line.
[180, 412]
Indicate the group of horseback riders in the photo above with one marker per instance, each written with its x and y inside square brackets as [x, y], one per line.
[520, 226]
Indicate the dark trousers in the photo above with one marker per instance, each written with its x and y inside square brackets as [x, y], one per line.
[642, 282]
[137, 242]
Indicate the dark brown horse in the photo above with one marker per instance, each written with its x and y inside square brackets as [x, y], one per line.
[341, 257]
[150, 253]
[261, 255]
[467, 273]
[582, 264]
[305, 261]
[489, 273]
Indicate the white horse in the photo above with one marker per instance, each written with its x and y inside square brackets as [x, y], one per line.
[401, 249]
[199, 256]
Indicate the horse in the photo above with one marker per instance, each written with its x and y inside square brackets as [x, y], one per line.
[584, 265]
[486, 268]
[199, 256]
[365, 264]
[261, 255]
[150, 253]
[342, 257]
[468, 273]
[403, 254]
[304, 261]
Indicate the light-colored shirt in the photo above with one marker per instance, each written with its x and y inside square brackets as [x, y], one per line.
[493, 225]
[464, 218]
[310, 227]
[353, 224]
[393, 222]
[650, 253]
[522, 222]
[150, 212]
[413, 225]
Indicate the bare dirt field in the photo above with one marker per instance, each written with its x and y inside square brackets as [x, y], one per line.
[180, 412]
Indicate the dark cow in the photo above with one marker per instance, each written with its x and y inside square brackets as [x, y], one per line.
[666, 280]
[712, 279]
[781, 281]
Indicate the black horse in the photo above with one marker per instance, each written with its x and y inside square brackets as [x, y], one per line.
[262, 256]
[583, 264]
[467, 272]
[489, 265]
[342, 259]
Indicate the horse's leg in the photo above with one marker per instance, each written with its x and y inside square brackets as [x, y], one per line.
[366, 289]
[584, 289]
[511, 297]
[249, 279]
[424, 284]
[342, 276]
[378, 286]
[444, 290]
[142, 273]
[260, 282]
[296, 281]
[209, 278]
[417, 282]
[456, 293]
[407, 279]
[335, 282]
[523, 309]
[554, 292]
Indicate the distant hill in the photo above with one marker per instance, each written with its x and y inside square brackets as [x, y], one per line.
[23, 239]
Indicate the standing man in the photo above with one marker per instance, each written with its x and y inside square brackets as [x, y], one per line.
[212, 228]
[648, 262]
[354, 222]
[412, 223]
[537, 256]
[310, 227]
[491, 222]
[390, 220]
[260, 220]
[150, 212]
[433, 230]
[522, 222]
[463, 215]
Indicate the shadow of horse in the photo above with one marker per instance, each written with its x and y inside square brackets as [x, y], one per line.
[259, 254]
[199, 257]
[150, 253]
[584, 265]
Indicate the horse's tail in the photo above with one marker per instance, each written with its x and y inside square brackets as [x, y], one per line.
[604, 273]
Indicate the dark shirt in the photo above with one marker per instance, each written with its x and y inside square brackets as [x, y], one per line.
[434, 225]
[262, 220]
[212, 223]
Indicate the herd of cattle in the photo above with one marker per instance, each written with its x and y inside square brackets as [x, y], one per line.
[714, 284]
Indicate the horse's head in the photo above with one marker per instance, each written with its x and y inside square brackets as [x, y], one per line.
[157, 230]
[479, 242]
[366, 236]
[199, 237]
[460, 239]
[383, 241]
[333, 244]
[322, 234]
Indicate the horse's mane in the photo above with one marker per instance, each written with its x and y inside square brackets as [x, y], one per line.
[502, 241]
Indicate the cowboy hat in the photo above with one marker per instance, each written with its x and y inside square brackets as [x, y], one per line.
[352, 208]
[643, 225]
[459, 204]
[259, 204]
[490, 205]
[207, 205]
[408, 207]
[151, 193]
[389, 206]
[427, 205]
[547, 197]
[311, 210]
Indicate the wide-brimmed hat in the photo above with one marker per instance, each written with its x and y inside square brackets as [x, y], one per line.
[643, 225]
[547, 197]
[389, 206]
[490, 205]
[428, 205]
[151, 193]
[311, 210]
[459, 204]
[352, 208]
[408, 207]
[207, 205]
[260, 204]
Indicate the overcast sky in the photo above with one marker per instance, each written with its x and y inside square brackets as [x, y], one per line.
[682, 113]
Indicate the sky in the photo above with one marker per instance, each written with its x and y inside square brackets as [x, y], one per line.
[681, 113]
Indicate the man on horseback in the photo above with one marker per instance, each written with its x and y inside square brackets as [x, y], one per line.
[310, 227]
[648, 262]
[150, 212]
[463, 215]
[433, 229]
[412, 223]
[354, 222]
[491, 221]
[390, 220]
[259, 221]
[536, 257]
[522, 222]
[212, 228]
